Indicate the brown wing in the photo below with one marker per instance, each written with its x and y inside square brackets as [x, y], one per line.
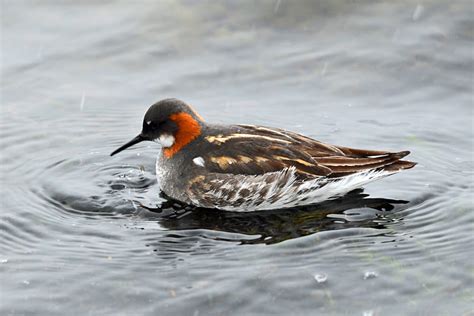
[343, 160]
[254, 150]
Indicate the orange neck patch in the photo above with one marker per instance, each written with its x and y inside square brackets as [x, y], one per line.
[188, 130]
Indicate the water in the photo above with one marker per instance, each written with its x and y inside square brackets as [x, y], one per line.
[84, 233]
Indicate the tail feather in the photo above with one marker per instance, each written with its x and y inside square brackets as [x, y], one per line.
[338, 161]
[400, 165]
[374, 161]
[354, 152]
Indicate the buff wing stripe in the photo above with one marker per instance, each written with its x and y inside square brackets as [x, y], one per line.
[256, 150]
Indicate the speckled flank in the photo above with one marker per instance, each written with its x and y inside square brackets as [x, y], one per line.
[273, 190]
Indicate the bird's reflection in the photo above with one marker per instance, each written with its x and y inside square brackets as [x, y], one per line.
[356, 209]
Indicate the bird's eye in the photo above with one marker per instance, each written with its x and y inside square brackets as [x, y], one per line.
[151, 125]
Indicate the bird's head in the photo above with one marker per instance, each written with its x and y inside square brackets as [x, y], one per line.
[170, 122]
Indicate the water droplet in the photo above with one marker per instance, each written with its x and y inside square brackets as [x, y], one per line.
[370, 275]
[3, 260]
[321, 277]
[277, 6]
[368, 313]
[26, 282]
[83, 100]
[418, 12]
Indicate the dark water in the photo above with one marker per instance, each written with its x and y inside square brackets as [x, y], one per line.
[77, 237]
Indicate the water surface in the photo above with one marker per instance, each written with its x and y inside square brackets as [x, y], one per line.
[84, 233]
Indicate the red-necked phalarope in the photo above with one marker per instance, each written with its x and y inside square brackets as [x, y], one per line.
[248, 168]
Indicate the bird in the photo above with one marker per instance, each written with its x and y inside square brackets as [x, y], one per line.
[245, 168]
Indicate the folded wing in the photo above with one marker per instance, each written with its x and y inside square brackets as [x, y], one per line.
[255, 150]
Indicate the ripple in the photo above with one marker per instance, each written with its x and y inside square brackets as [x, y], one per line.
[110, 209]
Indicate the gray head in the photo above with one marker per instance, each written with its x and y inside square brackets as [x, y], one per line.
[163, 122]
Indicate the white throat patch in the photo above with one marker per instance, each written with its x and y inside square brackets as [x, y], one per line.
[166, 140]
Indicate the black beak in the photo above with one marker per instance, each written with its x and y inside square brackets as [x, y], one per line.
[134, 141]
